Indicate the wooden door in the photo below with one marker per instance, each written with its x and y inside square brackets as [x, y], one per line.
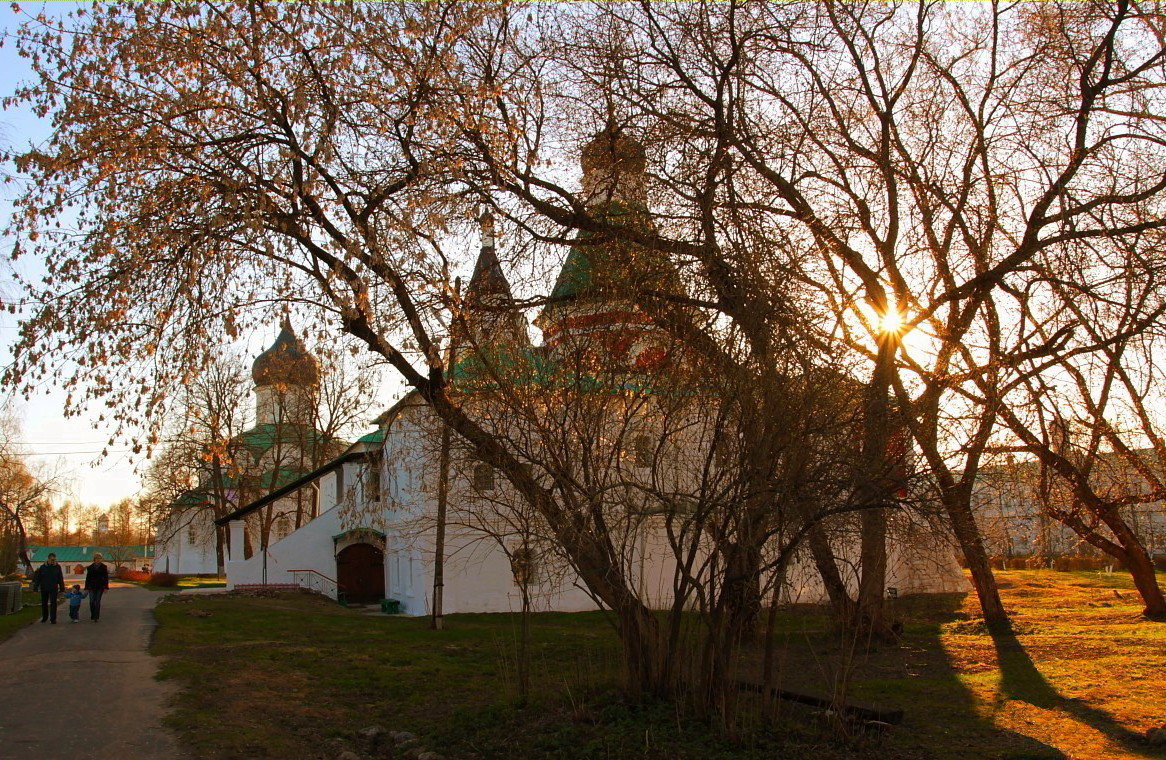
[360, 572]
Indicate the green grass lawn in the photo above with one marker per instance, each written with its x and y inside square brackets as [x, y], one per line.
[298, 676]
[10, 624]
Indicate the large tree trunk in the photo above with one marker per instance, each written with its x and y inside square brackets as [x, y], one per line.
[437, 620]
[22, 545]
[874, 493]
[963, 524]
[220, 554]
[644, 652]
[871, 608]
[742, 589]
[844, 606]
[1141, 568]
[1139, 564]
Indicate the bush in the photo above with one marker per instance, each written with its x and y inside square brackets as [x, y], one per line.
[164, 579]
[137, 576]
[1066, 562]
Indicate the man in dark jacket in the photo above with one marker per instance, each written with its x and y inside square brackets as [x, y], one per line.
[50, 581]
[96, 583]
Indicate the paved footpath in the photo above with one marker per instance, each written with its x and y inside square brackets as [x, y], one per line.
[86, 690]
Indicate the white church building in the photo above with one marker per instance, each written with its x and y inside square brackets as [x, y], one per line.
[374, 531]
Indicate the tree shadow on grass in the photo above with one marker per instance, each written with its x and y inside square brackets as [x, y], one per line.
[1021, 680]
[942, 716]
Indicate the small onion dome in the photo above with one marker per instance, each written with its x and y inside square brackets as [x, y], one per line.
[287, 362]
[614, 151]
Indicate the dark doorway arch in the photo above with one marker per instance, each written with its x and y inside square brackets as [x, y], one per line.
[360, 573]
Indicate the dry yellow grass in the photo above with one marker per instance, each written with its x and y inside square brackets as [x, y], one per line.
[1084, 675]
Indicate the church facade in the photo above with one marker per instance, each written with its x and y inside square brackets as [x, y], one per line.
[281, 446]
[377, 531]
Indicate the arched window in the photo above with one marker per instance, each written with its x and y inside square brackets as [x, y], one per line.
[283, 526]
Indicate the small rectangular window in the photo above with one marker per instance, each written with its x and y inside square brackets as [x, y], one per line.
[372, 485]
[339, 484]
[642, 451]
[483, 477]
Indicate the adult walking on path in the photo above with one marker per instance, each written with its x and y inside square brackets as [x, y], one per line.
[49, 579]
[96, 583]
[86, 691]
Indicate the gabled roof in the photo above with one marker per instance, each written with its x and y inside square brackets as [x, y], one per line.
[376, 436]
[71, 554]
[386, 418]
[194, 498]
[293, 486]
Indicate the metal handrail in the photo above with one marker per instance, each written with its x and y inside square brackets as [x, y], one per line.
[314, 580]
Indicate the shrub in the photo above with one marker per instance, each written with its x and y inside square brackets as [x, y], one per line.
[163, 579]
[137, 576]
[1066, 562]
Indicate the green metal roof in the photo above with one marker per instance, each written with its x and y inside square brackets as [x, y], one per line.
[71, 554]
[599, 264]
[269, 481]
[531, 367]
[262, 438]
[520, 365]
[376, 436]
[194, 498]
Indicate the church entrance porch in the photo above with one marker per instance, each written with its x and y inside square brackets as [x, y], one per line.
[360, 573]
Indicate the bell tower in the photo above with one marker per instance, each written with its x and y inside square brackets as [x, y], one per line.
[285, 376]
[593, 313]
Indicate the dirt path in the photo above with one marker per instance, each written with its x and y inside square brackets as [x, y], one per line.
[74, 690]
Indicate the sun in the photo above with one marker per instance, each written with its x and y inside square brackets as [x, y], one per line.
[891, 322]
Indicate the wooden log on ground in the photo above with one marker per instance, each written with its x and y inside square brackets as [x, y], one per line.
[850, 709]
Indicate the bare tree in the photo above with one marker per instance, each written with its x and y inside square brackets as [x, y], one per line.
[899, 171]
[813, 173]
[1092, 423]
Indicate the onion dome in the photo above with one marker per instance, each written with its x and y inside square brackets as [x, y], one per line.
[286, 362]
[613, 166]
[593, 303]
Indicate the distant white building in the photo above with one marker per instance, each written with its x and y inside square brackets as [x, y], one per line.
[75, 559]
[1010, 502]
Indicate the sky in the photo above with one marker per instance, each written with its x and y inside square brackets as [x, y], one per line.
[70, 447]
